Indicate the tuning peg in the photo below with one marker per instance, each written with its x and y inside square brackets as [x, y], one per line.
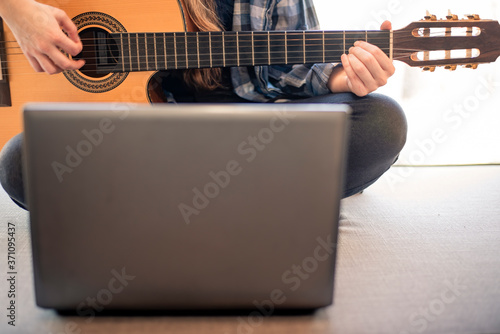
[429, 68]
[451, 67]
[451, 17]
[473, 17]
[472, 66]
[430, 17]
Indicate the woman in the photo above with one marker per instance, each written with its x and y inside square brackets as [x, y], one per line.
[378, 126]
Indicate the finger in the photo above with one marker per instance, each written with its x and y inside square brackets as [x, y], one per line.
[381, 58]
[34, 63]
[366, 64]
[386, 25]
[71, 42]
[63, 62]
[68, 45]
[356, 85]
[48, 65]
[363, 73]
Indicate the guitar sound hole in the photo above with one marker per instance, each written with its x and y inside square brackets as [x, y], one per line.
[100, 52]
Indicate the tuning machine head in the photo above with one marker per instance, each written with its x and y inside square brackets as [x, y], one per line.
[473, 17]
[429, 68]
[451, 17]
[430, 17]
[472, 66]
[450, 67]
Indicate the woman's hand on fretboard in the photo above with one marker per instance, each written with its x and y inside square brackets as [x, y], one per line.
[364, 69]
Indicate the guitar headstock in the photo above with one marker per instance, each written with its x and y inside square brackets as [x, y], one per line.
[448, 42]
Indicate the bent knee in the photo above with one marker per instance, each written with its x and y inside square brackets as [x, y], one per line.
[386, 120]
[11, 166]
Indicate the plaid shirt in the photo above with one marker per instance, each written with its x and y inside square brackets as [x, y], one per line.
[268, 83]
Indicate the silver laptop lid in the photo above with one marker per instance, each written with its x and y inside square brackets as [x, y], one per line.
[184, 206]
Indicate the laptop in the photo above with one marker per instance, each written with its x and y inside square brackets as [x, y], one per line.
[184, 207]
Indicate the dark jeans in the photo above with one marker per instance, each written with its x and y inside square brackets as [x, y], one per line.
[377, 135]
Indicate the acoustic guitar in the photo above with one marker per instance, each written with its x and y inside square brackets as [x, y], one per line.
[127, 43]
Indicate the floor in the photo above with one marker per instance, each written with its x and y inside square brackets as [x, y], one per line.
[417, 253]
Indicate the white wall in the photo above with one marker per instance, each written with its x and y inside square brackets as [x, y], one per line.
[454, 117]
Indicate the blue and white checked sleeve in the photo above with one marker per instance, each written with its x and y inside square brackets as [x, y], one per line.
[266, 83]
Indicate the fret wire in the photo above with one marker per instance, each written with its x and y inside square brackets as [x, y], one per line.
[304, 45]
[323, 36]
[286, 50]
[268, 49]
[156, 51]
[185, 46]
[223, 50]
[253, 51]
[198, 48]
[237, 49]
[391, 45]
[130, 51]
[138, 56]
[344, 41]
[366, 35]
[146, 45]
[165, 48]
[175, 49]
[123, 53]
[210, 47]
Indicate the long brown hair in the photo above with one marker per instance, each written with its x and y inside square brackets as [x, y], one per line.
[203, 14]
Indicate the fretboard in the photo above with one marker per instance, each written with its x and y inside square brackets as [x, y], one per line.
[166, 51]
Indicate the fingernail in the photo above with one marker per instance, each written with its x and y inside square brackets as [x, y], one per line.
[357, 43]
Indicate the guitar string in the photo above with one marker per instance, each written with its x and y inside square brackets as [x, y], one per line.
[193, 45]
[290, 63]
[264, 54]
[206, 54]
[310, 48]
[263, 59]
[290, 40]
[289, 33]
[100, 78]
[298, 62]
[334, 48]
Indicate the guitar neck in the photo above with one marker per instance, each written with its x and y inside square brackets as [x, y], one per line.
[188, 50]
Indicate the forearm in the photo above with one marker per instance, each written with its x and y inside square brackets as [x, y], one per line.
[10, 8]
[337, 83]
[301, 80]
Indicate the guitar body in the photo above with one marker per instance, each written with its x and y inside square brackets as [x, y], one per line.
[89, 15]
